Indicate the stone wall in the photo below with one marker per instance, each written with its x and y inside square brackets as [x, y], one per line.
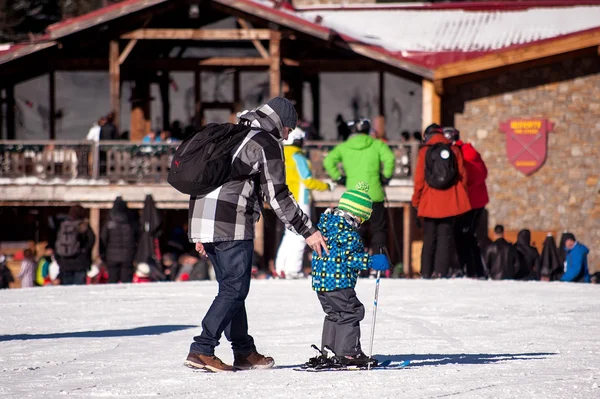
[564, 193]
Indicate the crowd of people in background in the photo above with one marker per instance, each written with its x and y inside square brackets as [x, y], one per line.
[450, 195]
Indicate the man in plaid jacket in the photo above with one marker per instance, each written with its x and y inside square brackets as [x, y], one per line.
[222, 226]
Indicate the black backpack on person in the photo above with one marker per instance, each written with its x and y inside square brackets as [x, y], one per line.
[202, 162]
[441, 169]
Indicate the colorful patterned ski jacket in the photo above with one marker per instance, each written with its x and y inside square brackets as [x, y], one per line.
[346, 257]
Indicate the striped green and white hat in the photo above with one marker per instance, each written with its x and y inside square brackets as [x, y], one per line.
[357, 201]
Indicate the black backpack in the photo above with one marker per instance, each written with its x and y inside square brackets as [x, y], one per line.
[202, 162]
[67, 240]
[441, 169]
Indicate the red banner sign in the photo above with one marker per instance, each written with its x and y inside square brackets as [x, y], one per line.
[526, 143]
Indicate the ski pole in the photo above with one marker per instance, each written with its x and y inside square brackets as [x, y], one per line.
[378, 279]
[374, 317]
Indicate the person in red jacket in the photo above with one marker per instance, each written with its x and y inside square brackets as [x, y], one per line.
[469, 254]
[439, 164]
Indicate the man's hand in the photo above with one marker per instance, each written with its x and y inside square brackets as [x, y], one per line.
[200, 249]
[316, 241]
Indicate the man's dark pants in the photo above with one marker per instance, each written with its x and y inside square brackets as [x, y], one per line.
[466, 243]
[378, 223]
[341, 328]
[120, 271]
[438, 247]
[232, 261]
[72, 278]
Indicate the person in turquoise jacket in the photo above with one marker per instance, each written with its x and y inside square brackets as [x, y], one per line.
[576, 268]
[334, 275]
[362, 157]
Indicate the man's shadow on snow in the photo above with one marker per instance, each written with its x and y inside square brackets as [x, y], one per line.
[429, 359]
[130, 332]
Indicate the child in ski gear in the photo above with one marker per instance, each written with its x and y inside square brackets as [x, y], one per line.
[42, 272]
[142, 274]
[334, 275]
[299, 179]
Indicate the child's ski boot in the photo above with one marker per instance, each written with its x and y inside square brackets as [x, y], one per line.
[359, 360]
[319, 361]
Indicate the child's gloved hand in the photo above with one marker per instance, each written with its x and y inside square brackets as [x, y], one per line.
[380, 262]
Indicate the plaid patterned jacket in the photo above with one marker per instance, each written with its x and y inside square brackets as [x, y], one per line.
[230, 212]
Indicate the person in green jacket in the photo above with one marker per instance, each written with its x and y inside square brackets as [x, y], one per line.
[362, 157]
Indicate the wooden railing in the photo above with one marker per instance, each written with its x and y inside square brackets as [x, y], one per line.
[119, 161]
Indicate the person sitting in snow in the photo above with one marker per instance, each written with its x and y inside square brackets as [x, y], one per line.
[334, 275]
[576, 264]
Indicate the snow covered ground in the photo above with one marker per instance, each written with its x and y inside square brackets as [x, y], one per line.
[466, 339]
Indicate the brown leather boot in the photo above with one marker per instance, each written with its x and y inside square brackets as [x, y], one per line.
[252, 361]
[204, 362]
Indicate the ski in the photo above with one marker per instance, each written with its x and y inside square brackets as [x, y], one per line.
[384, 365]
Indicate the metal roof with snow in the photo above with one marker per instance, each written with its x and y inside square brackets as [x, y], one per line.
[405, 31]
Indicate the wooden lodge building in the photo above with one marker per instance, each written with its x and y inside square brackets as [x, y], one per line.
[521, 81]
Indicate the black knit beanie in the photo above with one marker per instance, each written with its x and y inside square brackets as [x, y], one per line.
[285, 110]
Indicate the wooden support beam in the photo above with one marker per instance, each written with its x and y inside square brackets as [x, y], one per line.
[315, 84]
[52, 104]
[1, 114]
[259, 237]
[234, 62]
[198, 34]
[197, 99]
[218, 105]
[431, 111]
[165, 100]
[237, 104]
[11, 127]
[522, 54]
[381, 93]
[259, 47]
[95, 226]
[127, 50]
[115, 80]
[407, 241]
[140, 109]
[275, 64]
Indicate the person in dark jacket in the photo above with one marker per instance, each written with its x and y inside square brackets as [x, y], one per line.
[576, 264]
[551, 268]
[562, 247]
[74, 260]
[118, 243]
[529, 258]
[501, 257]
[6, 276]
[467, 247]
[108, 131]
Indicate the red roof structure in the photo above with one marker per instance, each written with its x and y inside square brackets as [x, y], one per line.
[412, 60]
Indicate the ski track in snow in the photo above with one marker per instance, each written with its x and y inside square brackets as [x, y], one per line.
[465, 339]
